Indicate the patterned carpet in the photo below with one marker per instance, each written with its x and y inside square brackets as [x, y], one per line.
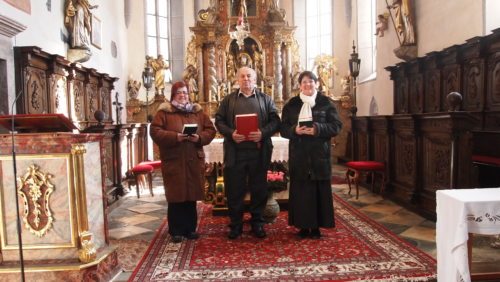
[357, 249]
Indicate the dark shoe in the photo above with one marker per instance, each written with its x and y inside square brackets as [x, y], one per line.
[303, 233]
[234, 233]
[192, 235]
[259, 232]
[315, 233]
[176, 238]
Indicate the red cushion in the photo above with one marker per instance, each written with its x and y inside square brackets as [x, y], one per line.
[154, 164]
[486, 159]
[366, 165]
[142, 168]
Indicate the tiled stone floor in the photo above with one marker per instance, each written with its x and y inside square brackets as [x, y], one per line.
[137, 219]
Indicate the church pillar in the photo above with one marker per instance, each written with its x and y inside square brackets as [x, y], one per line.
[288, 72]
[278, 86]
[199, 67]
[212, 74]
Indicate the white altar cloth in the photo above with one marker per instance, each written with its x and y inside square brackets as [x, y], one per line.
[460, 212]
[214, 152]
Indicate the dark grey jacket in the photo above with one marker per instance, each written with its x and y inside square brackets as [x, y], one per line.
[268, 125]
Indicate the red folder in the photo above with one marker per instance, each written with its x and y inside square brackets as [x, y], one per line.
[247, 123]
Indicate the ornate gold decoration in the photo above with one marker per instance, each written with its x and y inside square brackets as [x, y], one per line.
[191, 58]
[87, 252]
[35, 189]
[325, 68]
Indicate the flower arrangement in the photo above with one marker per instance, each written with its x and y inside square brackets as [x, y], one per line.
[277, 181]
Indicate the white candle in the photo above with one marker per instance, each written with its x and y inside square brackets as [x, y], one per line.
[262, 86]
[272, 92]
[209, 95]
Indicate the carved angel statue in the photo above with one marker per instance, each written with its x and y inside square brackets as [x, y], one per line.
[78, 21]
[382, 24]
[133, 88]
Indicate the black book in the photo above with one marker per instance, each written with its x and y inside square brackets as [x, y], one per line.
[190, 128]
[308, 123]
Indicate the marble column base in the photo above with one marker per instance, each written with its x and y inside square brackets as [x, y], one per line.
[104, 268]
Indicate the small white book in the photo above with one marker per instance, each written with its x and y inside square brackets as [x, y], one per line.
[190, 128]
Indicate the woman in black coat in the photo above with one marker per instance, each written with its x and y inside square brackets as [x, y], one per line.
[310, 200]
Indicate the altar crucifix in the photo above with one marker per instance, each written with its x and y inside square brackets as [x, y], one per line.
[118, 109]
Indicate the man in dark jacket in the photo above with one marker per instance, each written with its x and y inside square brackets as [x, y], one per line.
[246, 159]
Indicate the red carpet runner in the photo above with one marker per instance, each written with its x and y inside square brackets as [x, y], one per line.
[357, 249]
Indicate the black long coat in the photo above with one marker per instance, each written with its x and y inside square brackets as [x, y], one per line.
[310, 201]
[310, 155]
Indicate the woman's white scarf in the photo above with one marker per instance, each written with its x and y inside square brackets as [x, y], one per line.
[308, 103]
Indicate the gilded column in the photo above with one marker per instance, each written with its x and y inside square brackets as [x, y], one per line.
[278, 86]
[87, 251]
[212, 74]
[288, 67]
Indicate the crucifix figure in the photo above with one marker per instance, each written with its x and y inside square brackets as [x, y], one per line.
[118, 109]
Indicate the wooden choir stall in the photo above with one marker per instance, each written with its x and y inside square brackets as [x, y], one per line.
[432, 140]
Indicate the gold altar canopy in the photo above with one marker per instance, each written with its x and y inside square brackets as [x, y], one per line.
[231, 34]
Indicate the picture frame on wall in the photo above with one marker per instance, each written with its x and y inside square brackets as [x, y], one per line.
[96, 37]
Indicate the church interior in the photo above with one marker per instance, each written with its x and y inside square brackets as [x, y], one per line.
[416, 85]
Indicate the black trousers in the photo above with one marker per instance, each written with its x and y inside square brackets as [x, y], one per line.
[247, 174]
[182, 218]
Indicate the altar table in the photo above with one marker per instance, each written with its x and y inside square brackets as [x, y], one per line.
[460, 212]
[214, 152]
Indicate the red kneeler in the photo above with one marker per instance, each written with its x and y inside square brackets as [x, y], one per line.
[356, 167]
[146, 171]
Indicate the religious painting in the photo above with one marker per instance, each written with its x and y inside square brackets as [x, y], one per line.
[235, 6]
[96, 32]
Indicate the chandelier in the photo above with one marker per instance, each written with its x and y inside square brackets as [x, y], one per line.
[242, 29]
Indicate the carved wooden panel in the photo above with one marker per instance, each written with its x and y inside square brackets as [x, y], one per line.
[416, 94]
[436, 160]
[36, 90]
[493, 92]
[401, 96]
[432, 91]
[105, 104]
[51, 84]
[78, 101]
[473, 82]
[58, 91]
[361, 139]
[92, 101]
[451, 83]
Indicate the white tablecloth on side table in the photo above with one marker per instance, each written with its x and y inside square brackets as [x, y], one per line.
[460, 212]
[214, 152]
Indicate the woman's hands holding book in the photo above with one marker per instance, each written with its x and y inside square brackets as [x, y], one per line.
[191, 138]
[304, 130]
